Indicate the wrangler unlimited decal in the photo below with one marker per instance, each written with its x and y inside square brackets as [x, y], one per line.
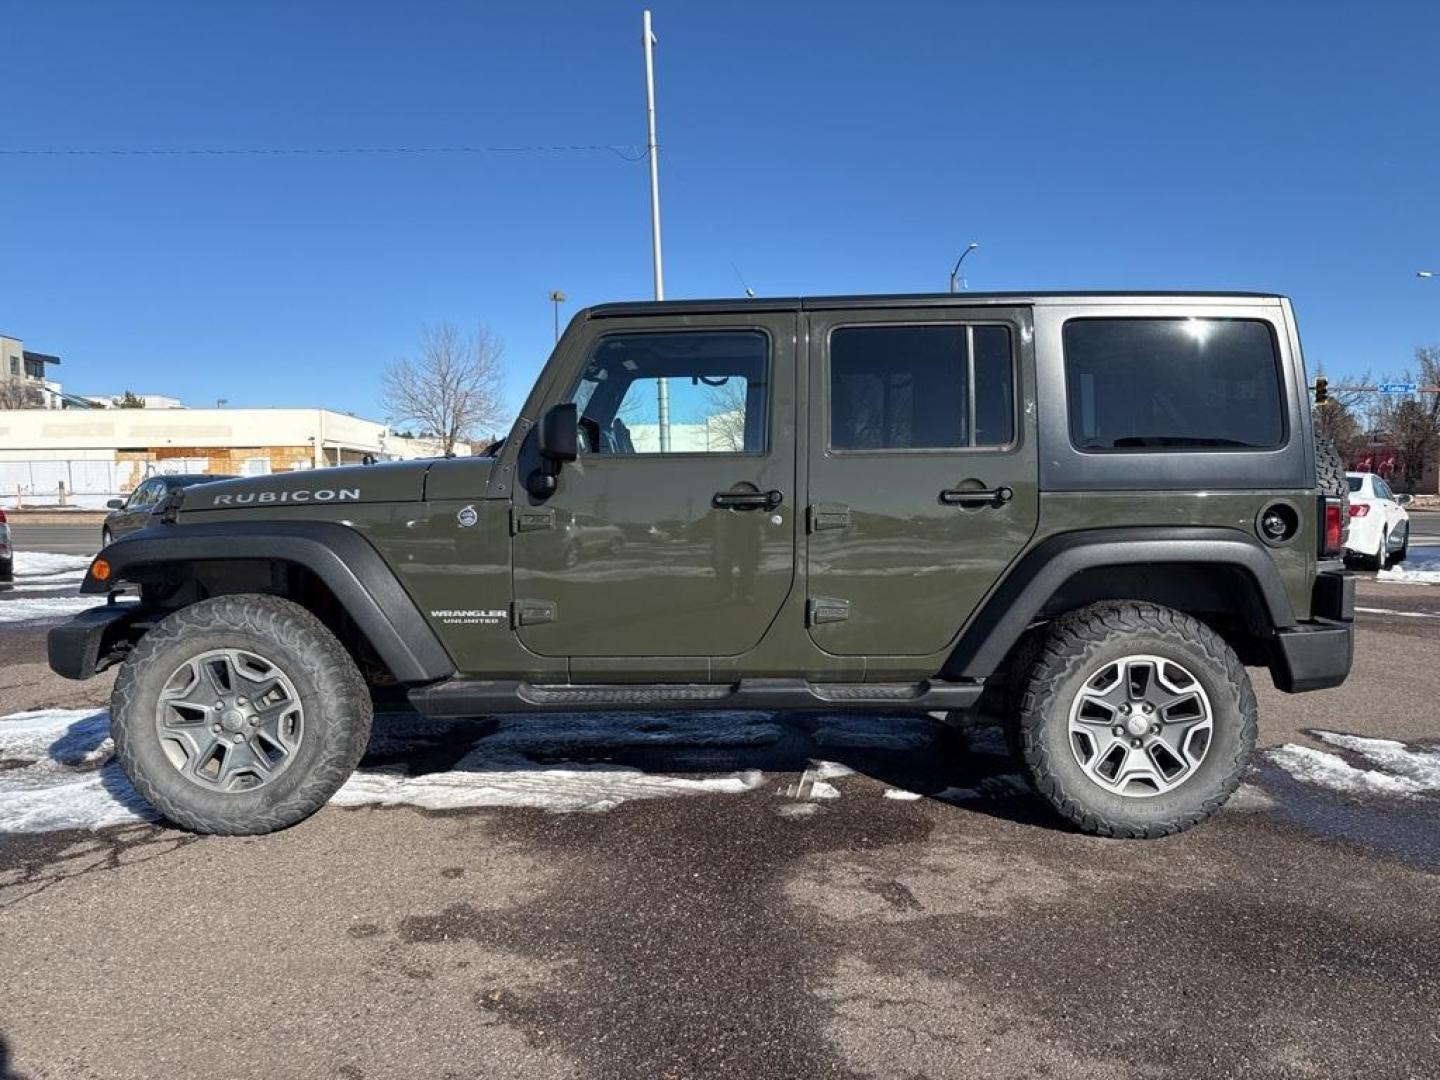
[322, 495]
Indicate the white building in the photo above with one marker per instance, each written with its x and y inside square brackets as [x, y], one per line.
[24, 371]
[85, 456]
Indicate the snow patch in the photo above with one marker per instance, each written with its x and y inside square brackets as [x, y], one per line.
[1002, 786]
[988, 740]
[902, 795]
[1400, 770]
[484, 780]
[45, 572]
[57, 768]
[41, 563]
[1421, 567]
[1422, 766]
[59, 774]
[859, 733]
[814, 781]
[27, 609]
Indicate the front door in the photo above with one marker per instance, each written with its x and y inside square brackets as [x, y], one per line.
[923, 477]
[674, 532]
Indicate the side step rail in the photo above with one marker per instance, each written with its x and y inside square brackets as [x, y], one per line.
[474, 697]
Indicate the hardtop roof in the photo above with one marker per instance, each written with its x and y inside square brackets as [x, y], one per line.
[884, 300]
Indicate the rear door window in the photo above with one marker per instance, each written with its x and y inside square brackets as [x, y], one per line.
[1173, 384]
[921, 387]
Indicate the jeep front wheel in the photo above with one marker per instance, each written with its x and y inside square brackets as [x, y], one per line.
[239, 714]
[1136, 720]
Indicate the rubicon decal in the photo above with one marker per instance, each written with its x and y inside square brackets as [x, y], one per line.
[301, 496]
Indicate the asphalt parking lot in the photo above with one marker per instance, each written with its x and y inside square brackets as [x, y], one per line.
[741, 896]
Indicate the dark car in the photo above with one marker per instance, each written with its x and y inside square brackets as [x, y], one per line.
[129, 515]
[7, 553]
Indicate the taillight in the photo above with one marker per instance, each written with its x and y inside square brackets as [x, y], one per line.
[1359, 509]
[1330, 543]
[2, 517]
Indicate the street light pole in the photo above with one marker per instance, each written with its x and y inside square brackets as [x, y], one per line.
[955, 270]
[557, 298]
[652, 151]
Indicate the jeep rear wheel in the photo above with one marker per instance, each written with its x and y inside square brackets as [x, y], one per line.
[1136, 720]
[239, 714]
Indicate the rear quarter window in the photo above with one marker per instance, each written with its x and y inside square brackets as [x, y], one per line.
[1173, 384]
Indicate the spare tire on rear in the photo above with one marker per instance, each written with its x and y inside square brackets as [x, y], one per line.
[1330, 478]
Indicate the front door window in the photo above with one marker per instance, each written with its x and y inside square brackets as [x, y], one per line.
[678, 393]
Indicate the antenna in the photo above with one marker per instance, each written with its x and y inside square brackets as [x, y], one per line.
[749, 292]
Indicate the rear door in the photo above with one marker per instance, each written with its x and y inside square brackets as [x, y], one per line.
[673, 535]
[923, 475]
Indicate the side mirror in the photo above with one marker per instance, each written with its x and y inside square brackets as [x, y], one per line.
[1404, 500]
[558, 443]
[559, 433]
[116, 504]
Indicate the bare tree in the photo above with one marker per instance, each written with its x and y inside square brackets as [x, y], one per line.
[1336, 421]
[454, 387]
[723, 415]
[17, 394]
[1411, 424]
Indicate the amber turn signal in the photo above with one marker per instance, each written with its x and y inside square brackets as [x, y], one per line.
[100, 570]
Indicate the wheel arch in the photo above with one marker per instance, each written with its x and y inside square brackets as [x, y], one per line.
[323, 562]
[1218, 573]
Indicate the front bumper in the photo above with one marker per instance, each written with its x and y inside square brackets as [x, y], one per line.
[92, 641]
[1317, 655]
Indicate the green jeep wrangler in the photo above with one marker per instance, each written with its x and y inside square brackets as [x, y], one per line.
[1101, 507]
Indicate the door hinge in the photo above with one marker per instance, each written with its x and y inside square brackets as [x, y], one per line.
[828, 516]
[524, 519]
[826, 609]
[532, 612]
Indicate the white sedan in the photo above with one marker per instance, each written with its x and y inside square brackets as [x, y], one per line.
[1379, 523]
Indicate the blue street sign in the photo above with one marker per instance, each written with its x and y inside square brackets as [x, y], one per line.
[1397, 387]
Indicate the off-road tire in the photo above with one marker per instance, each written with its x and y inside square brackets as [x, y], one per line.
[1075, 647]
[1330, 479]
[7, 570]
[337, 713]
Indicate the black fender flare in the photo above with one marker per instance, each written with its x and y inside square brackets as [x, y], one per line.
[362, 582]
[1044, 570]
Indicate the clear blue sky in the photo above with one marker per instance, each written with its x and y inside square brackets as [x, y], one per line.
[835, 147]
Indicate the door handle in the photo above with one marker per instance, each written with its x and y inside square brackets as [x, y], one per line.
[746, 500]
[970, 496]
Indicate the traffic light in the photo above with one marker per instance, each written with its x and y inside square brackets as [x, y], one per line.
[1322, 390]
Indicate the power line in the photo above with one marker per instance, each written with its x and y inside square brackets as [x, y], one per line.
[629, 152]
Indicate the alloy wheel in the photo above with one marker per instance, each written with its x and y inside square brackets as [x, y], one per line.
[1140, 726]
[229, 720]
